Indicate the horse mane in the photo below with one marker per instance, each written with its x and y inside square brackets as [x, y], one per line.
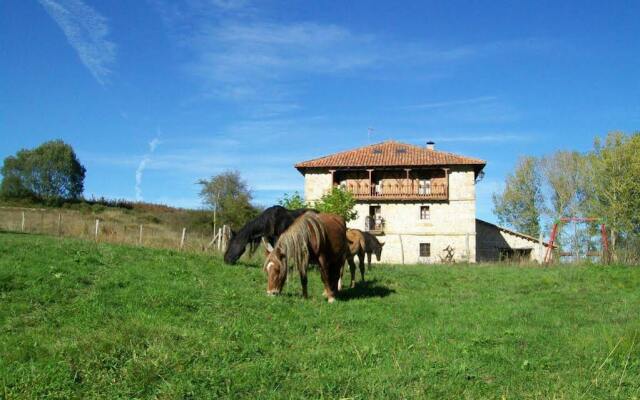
[250, 229]
[270, 224]
[294, 242]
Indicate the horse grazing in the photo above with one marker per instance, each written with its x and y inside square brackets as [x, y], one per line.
[372, 245]
[269, 224]
[318, 238]
[357, 245]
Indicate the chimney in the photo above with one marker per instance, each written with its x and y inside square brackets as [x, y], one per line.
[431, 145]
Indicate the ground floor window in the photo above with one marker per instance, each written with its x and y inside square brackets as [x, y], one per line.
[425, 212]
[425, 249]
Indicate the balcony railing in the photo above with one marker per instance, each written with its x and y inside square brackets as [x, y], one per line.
[398, 191]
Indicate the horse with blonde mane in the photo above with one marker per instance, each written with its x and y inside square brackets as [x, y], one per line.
[312, 238]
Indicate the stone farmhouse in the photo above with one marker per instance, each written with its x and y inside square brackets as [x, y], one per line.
[419, 201]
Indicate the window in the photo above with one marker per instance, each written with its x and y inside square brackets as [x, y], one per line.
[425, 212]
[424, 186]
[425, 249]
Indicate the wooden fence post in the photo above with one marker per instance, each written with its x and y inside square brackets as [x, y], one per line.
[184, 232]
[97, 228]
[224, 238]
[59, 224]
[22, 226]
[140, 236]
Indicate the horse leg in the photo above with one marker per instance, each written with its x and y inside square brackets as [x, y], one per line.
[326, 279]
[352, 269]
[361, 264]
[340, 279]
[303, 282]
[369, 261]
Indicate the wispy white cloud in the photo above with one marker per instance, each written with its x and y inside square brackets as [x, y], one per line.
[260, 61]
[452, 103]
[239, 55]
[87, 32]
[142, 165]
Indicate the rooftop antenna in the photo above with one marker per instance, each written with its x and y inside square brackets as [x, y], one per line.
[369, 130]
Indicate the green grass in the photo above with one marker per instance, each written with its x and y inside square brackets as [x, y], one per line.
[80, 320]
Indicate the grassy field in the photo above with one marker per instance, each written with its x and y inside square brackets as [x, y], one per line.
[85, 320]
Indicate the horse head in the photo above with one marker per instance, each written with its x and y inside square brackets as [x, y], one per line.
[234, 249]
[275, 265]
[378, 251]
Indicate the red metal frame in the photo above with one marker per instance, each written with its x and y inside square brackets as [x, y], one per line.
[554, 234]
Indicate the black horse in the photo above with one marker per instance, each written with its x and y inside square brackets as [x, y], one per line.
[270, 224]
[372, 246]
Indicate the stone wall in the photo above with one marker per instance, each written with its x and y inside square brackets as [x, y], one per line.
[450, 224]
[490, 239]
[316, 184]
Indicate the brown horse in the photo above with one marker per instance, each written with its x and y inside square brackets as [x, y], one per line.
[318, 238]
[357, 246]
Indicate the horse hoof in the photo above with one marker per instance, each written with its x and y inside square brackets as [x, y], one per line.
[331, 300]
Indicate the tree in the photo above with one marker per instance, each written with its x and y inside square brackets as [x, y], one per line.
[50, 172]
[338, 201]
[229, 197]
[292, 202]
[614, 184]
[520, 203]
[564, 178]
[564, 186]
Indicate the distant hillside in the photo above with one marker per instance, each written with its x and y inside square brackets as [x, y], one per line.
[130, 211]
[119, 221]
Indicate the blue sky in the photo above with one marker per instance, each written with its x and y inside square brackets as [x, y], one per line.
[155, 95]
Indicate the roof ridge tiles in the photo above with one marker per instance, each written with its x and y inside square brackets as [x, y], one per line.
[415, 156]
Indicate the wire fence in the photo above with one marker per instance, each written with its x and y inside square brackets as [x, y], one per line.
[103, 228]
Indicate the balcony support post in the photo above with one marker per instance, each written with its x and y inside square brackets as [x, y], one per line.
[371, 193]
[407, 188]
[446, 175]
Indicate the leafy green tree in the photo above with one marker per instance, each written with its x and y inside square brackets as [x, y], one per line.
[564, 186]
[338, 201]
[564, 178]
[520, 203]
[228, 195]
[50, 172]
[292, 201]
[614, 184]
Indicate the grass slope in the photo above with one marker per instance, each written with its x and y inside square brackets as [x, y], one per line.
[80, 320]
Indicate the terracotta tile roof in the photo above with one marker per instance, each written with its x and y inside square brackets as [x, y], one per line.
[390, 154]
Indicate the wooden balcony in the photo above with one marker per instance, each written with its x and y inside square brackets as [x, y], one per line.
[397, 191]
